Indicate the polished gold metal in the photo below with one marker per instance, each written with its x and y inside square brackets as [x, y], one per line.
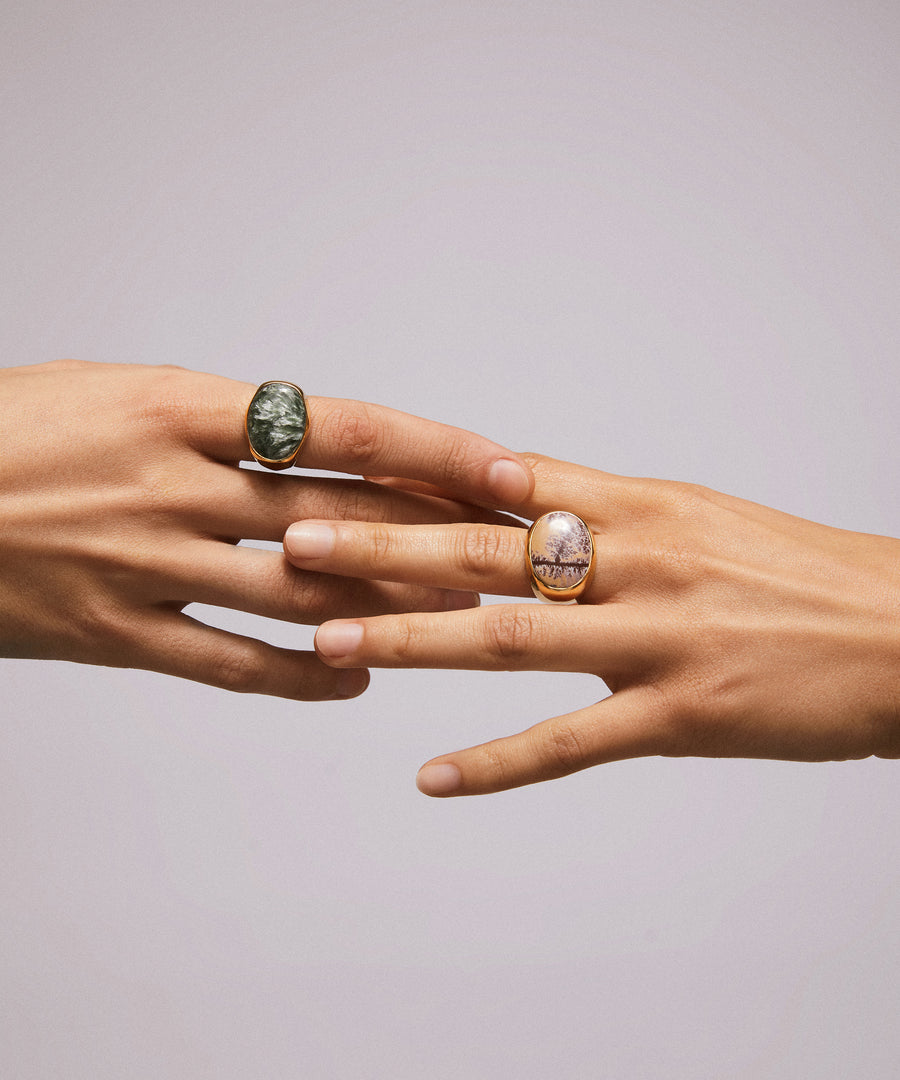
[277, 424]
[560, 566]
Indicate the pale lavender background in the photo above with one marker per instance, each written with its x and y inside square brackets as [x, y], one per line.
[661, 238]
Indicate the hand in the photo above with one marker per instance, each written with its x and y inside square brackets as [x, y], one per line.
[121, 502]
[722, 628]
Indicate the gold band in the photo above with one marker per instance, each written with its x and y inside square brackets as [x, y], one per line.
[277, 424]
[560, 557]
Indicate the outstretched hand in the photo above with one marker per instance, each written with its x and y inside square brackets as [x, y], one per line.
[722, 628]
[121, 502]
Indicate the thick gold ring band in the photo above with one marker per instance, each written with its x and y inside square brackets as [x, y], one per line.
[277, 424]
[560, 557]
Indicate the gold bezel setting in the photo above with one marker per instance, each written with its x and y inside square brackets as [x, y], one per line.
[277, 418]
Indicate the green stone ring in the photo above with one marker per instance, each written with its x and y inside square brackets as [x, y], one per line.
[277, 424]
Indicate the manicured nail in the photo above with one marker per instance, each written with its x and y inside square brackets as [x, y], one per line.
[509, 482]
[351, 683]
[309, 540]
[458, 601]
[336, 640]
[438, 779]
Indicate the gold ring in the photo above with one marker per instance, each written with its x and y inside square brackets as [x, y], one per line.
[560, 557]
[277, 424]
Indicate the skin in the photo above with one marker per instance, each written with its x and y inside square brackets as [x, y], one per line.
[121, 502]
[722, 628]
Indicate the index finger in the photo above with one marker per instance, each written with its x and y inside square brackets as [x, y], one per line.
[373, 440]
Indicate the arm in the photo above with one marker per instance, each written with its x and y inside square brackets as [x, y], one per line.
[722, 628]
[121, 502]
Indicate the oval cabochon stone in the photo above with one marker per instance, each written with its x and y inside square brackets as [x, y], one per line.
[560, 550]
[277, 421]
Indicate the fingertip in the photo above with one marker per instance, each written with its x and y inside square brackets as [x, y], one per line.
[337, 641]
[509, 482]
[439, 780]
[462, 601]
[351, 683]
[306, 540]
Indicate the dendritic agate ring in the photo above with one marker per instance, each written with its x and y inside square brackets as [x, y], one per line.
[560, 556]
[277, 424]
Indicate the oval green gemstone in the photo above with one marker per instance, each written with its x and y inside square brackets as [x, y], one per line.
[277, 421]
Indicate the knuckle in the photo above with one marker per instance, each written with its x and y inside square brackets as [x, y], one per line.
[351, 500]
[666, 501]
[672, 559]
[511, 633]
[380, 545]
[456, 461]
[242, 669]
[340, 500]
[685, 502]
[494, 763]
[354, 433]
[481, 548]
[167, 401]
[404, 640]
[306, 598]
[562, 747]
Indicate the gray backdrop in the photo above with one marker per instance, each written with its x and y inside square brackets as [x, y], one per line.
[659, 238]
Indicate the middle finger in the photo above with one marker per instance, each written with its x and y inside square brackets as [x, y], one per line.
[244, 504]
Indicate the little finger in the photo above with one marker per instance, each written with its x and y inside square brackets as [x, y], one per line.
[607, 641]
[175, 644]
[627, 725]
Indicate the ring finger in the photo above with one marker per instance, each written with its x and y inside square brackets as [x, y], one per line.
[488, 558]
[262, 583]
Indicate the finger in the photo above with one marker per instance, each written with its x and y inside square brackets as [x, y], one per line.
[264, 583]
[604, 500]
[474, 557]
[244, 504]
[608, 641]
[175, 644]
[419, 487]
[484, 558]
[372, 440]
[629, 724]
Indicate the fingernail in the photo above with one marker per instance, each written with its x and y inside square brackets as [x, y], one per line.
[458, 601]
[508, 481]
[351, 683]
[439, 779]
[309, 540]
[335, 640]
